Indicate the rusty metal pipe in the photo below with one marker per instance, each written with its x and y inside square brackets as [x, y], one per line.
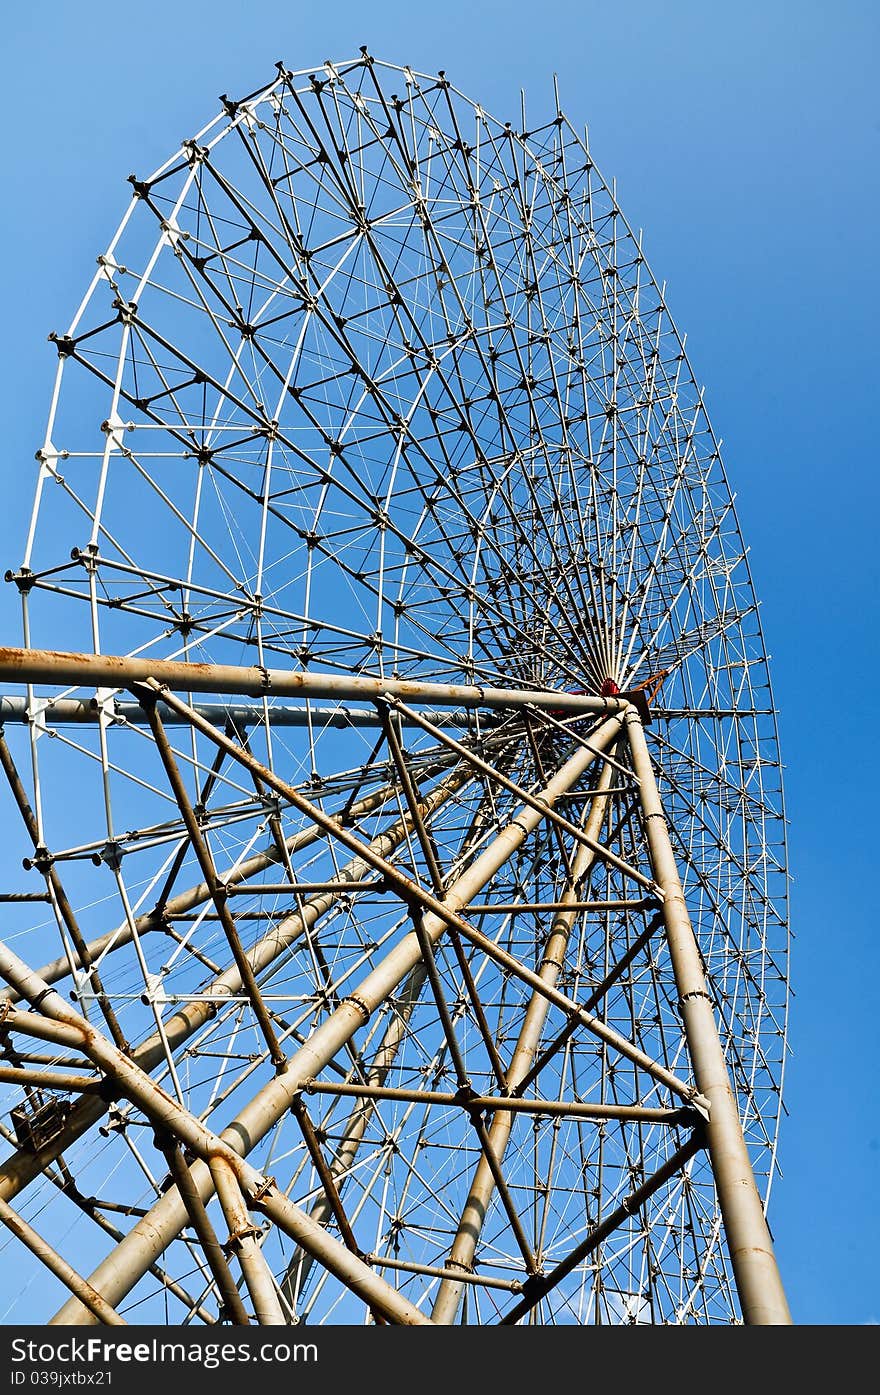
[243, 1241]
[751, 1249]
[96, 1304]
[62, 712]
[464, 1245]
[119, 671]
[496, 1104]
[230, 1297]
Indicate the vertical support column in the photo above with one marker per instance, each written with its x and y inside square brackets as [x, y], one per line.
[230, 1297]
[242, 1238]
[758, 1283]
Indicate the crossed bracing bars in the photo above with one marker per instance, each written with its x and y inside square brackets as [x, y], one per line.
[203, 1164]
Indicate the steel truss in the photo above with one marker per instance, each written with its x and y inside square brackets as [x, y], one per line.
[407, 837]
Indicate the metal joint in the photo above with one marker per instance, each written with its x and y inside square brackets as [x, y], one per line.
[237, 1237]
[267, 1185]
[460, 1264]
[359, 1004]
[695, 993]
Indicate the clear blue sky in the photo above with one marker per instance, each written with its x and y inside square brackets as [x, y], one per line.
[744, 139]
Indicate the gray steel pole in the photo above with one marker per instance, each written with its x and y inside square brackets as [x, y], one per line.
[44, 1252]
[120, 671]
[355, 1126]
[761, 1294]
[243, 1240]
[62, 712]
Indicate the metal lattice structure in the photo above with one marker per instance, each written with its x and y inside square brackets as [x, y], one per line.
[393, 757]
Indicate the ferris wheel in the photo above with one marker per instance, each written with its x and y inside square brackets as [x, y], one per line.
[391, 750]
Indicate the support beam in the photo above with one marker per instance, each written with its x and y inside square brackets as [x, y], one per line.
[434, 1271]
[243, 1242]
[467, 1236]
[444, 910]
[119, 671]
[60, 902]
[230, 1298]
[84, 1291]
[755, 1269]
[64, 712]
[579, 835]
[51, 1080]
[390, 726]
[501, 1104]
[357, 1123]
[217, 890]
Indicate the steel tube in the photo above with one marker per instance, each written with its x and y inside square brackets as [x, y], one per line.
[96, 1304]
[119, 671]
[217, 890]
[497, 1104]
[50, 1080]
[243, 1240]
[230, 1298]
[61, 712]
[357, 1122]
[435, 1271]
[751, 1249]
[536, 907]
[325, 1175]
[62, 905]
